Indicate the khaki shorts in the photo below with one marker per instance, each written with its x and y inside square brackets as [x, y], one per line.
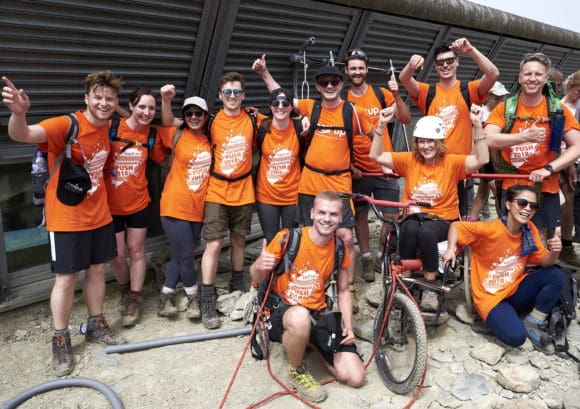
[219, 220]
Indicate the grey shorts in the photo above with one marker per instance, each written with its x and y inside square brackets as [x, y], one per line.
[380, 188]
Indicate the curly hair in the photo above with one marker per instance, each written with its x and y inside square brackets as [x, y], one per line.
[440, 148]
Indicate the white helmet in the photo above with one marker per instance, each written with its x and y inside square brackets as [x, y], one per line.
[430, 127]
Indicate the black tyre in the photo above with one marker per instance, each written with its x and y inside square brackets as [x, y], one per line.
[402, 353]
[467, 277]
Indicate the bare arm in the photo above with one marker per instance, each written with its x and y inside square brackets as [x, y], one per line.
[167, 94]
[345, 306]
[481, 156]
[406, 75]
[498, 140]
[451, 245]
[402, 111]
[489, 70]
[377, 147]
[18, 103]
[259, 67]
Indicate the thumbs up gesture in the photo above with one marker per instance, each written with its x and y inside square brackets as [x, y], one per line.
[535, 133]
[263, 265]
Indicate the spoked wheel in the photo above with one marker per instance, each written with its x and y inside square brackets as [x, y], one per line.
[402, 354]
[466, 277]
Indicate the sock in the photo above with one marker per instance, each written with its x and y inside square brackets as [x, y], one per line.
[207, 290]
[59, 331]
[379, 254]
[538, 315]
[96, 316]
[167, 290]
[190, 290]
[139, 293]
[237, 275]
[566, 243]
[366, 255]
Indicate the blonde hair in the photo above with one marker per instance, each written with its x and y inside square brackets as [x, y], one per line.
[572, 80]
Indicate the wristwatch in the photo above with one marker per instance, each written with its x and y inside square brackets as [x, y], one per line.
[549, 168]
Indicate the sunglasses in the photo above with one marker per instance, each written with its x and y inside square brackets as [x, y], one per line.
[280, 103]
[189, 114]
[229, 92]
[523, 203]
[358, 53]
[448, 61]
[536, 57]
[324, 83]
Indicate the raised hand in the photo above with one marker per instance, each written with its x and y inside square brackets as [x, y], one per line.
[461, 46]
[15, 99]
[167, 92]
[267, 261]
[259, 65]
[416, 62]
[393, 85]
[386, 114]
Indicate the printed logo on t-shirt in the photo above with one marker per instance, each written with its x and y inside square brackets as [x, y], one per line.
[198, 170]
[95, 167]
[337, 134]
[279, 164]
[449, 115]
[502, 273]
[301, 286]
[426, 191]
[519, 154]
[233, 153]
[127, 164]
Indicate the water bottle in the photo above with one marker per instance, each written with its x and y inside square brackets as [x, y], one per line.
[556, 130]
[39, 175]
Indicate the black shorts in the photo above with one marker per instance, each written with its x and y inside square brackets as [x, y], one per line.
[137, 220]
[276, 329]
[306, 203]
[75, 251]
[380, 188]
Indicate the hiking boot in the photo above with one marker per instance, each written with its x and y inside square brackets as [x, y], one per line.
[98, 330]
[124, 299]
[193, 311]
[132, 310]
[209, 315]
[429, 300]
[368, 269]
[540, 338]
[62, 357]
[166, 307]
[304, 383]
[569, 256]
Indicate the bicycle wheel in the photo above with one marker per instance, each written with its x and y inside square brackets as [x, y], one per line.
[402, 353]
[467, 277]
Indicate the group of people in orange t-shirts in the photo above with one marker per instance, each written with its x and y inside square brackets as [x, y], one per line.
[209, 189]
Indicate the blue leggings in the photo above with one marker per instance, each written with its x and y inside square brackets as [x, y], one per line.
[270, 217]
[183, 237]
[540, 289]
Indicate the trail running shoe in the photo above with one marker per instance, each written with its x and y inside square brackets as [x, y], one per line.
[304, 383]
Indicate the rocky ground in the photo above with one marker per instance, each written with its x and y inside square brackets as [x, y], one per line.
[465, 369]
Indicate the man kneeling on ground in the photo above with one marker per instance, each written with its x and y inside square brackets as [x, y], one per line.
[303, 299]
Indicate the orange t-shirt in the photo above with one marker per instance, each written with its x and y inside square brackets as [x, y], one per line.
[124, 174]
[496, 268]
[314, 264]
[449, 105]
[279, 172]
[434, 184]
[93, 211]
[362, 143]
[184, 192]
[529, 156]
[233, 138]
[329, 149]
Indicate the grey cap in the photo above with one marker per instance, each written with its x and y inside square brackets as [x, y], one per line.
[197, 101]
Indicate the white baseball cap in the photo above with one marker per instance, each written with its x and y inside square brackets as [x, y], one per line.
[430, 127]
[197, 101]
[499, 89]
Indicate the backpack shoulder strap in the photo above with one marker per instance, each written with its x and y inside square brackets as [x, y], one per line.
[262, 131]
[348, 110]
[430, 95]
[314, 117]
[511, 106]
[114, 128]
[380, 96]
[301, 140]
[464, 88]
[151, 138]
[71, 136]
[290, 243]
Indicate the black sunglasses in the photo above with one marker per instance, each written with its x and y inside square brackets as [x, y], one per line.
[324, 83]
[444, 61]
[358, 53]
[280, 103]
[523, 203]
[189, 114]
[537, 57]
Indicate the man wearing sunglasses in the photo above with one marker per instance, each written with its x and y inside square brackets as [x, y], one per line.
[449, 99]
[328, 158]
[372, 99]
[525, 148]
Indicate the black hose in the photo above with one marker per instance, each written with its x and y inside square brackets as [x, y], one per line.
[137, 346]
[65, 383]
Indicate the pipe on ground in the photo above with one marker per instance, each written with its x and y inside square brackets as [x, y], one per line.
[138, 346]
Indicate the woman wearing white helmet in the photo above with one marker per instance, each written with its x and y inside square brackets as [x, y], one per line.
[431, 175]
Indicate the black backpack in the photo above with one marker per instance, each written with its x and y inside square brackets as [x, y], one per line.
[563, 313]
[463, 86]
[114, 130]
[290, 243]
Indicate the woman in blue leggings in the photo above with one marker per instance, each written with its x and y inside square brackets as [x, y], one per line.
[502, 289]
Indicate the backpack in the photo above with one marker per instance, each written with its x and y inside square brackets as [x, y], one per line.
[252, 115]
[463, 86]
[563, 313]
[113, 131]
[290, 243]
[376, 90]
[40, 182]
[347, 112]
[262, 131]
